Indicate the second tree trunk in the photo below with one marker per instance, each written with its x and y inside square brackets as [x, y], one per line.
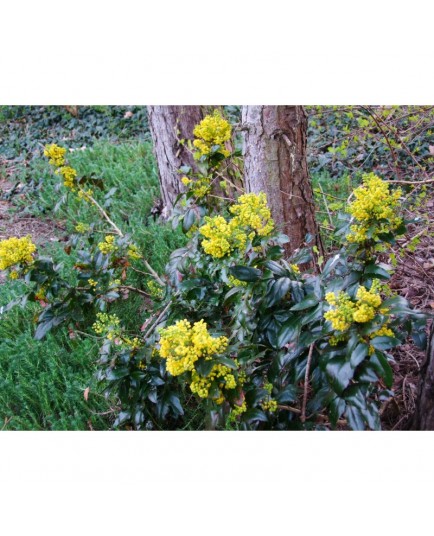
[275, 163]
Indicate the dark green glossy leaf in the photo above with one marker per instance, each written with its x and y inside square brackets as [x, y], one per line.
[384, 343]
[287, 395]
[382, 366]
[307, 303]
[337, 407]
[288, 331]
[341, 372]
[376, 271]
[354, 417]
[358, 354]
[252, 415]
[245, 273]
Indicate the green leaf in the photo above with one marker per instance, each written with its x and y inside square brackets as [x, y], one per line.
[277, 290]
[288, 394]
[276, 268]
[176, 404]
[377, 271]
[307, 303]
[358, 354]
[253, 396]
[227, 362]
[289, 330]
[252, 415]
[43, 328]
[382, 366]
[204, 367]
[354, 418]
[340, 372]
[244, 273]
[384, 343]
[188, 220]
[118, 373]
[337, 407]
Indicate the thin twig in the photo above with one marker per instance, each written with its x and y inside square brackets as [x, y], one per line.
[160, 316]
[134, 289]
[105, 215]
[306, 383]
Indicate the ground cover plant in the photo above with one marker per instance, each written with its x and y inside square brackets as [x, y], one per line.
[230, 334]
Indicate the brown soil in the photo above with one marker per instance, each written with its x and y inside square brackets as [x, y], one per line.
[14, 223]
[414, 280]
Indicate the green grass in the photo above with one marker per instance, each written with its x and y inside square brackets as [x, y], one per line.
[331, 195]
[42, 383]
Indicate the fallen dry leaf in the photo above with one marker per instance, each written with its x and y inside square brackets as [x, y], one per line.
[86, 393]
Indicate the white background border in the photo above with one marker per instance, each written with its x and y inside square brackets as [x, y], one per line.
[227, 52]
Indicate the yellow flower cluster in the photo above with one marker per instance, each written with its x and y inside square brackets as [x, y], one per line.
[69, 174]
[251, 210]
[212, 130]
[269, 405]
[108, 246]
[234, 282]
[251, 217]
[92, 282]
[238, 410]
[133, 252]
[374, 205]
[108, 325]
[346, 311]
[155, 290]
[16, 251]
[183, 344]
[220, 374]
[85, 194]
[82, 227]
[200, 187]
[55, 154]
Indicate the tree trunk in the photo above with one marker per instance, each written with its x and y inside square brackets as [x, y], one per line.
[423, 418]
[275, 163]
[167, 125]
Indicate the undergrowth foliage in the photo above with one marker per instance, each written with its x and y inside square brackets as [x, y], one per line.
[233, 331]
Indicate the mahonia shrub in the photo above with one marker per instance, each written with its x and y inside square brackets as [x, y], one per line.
[234, 333]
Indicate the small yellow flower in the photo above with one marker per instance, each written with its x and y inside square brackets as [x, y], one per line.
[16, 251]
[211, 131]
[82, 227]
[55, 154]
[69, 174]
[183, 344]
[133, 252]
[108, 246]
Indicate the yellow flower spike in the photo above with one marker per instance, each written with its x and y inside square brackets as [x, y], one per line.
[212, 130]
[55, 154]
[183, 344]
[16, 251]
[69, 174]
[374, 204]
[108, 246]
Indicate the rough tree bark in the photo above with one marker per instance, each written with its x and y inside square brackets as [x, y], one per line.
[275, 163]
[423, 418]
[167, 125]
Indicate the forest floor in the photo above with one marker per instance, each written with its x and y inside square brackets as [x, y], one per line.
[414, 280]
[15, 223]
